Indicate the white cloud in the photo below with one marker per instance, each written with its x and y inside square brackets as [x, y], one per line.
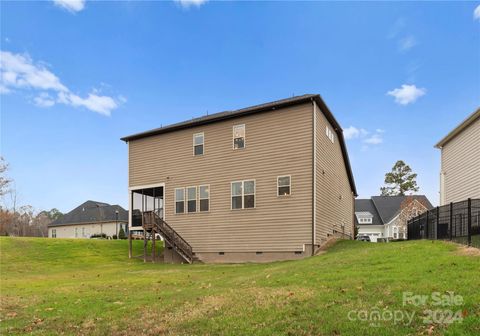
[190, 3]
[476, 13]
[407, 43]
[375, 139]
[369, 138]
[19, 72]
[70, 5]
[407, 94]
[100, 104]
[44, 100]
[353, 133]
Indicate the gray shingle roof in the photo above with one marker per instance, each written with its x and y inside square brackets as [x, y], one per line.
[367, 205]
[91, 212]
[384, 208]
[258, 109]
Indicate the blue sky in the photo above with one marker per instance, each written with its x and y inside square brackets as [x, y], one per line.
[78, 76]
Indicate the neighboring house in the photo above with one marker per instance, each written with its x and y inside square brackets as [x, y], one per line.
[385, 217]
[267, 182]
[90, 218]
[460, 166]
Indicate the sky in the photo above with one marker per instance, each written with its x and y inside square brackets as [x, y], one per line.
[76, 76]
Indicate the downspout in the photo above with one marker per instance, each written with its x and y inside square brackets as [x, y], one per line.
[314, 175]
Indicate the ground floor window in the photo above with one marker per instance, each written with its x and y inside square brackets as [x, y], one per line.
[192, 199]
[243, 194]
[54, 233]
[179, 200]
[204, 193]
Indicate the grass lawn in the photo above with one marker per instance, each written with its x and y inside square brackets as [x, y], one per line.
[90, 287]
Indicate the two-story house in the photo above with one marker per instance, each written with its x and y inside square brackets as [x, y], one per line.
[262, 183]
[460, 162]
[384, 218]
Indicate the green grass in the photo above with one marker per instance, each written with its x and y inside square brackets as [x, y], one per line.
[90, 287]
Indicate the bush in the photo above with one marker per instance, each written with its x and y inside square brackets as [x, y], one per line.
[121, 234]
[114, 236]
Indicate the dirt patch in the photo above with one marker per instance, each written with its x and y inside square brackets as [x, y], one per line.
[468, 251]
[325, 246]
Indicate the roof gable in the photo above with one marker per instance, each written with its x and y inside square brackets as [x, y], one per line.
[457, 130]
[389, 206]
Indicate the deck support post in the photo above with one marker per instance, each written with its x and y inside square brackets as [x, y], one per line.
[145, 245]
[153, 246]
[129, 244]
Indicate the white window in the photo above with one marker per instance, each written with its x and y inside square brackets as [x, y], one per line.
[192, 199]
[243, 194]
[76, 232]
[283, 186]
[204, 192]
[54, 233]
[83, 232]
[179, 200]
[238, 136]
[330, 134]
[198, 142]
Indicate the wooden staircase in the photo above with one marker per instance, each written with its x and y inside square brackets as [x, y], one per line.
[153, 224]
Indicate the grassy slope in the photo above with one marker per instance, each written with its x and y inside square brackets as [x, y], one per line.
[53, 286]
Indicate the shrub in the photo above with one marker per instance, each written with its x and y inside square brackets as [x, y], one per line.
[121, 234]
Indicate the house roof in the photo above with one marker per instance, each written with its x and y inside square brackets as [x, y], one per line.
[296, 100]
[385, 208]
[366, 205]
[457, 130]
[91, 212]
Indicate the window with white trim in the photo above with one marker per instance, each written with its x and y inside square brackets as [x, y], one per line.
[198, 144]
[284, 185]
[191, 199]
[76, 232]
[179, 200]
[204, 195]
[330, 134]
[238, 136]
[243, 194]
[54, 233]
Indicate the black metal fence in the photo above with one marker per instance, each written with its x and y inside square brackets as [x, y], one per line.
[459, 222]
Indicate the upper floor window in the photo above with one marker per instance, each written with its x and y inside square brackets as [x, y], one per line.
[243, 194]
[283, 185]
[179, 200]
[198, 144]
[204, 193]
[192, 199]
[330, 134]
[238, 136]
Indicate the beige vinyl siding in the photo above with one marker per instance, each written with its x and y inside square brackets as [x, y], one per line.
[461, 165]
[334, 198]
[277, 143]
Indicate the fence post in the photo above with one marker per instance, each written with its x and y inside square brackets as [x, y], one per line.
[437, 223]
[426, 227]
[469, 222]
[451, 219]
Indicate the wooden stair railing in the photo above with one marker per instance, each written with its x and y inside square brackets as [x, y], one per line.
[153, 222]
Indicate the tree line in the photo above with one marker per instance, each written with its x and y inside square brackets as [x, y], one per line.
[20, 220]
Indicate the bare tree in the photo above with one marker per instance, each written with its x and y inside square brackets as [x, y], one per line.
[4, 180]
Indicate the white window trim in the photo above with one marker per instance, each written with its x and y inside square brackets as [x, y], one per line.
[202, 144]
[200, 197]
[329, 133]
[244, 137]
[175, 201]
[188, 199]
[289, 185]
[243, 194]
